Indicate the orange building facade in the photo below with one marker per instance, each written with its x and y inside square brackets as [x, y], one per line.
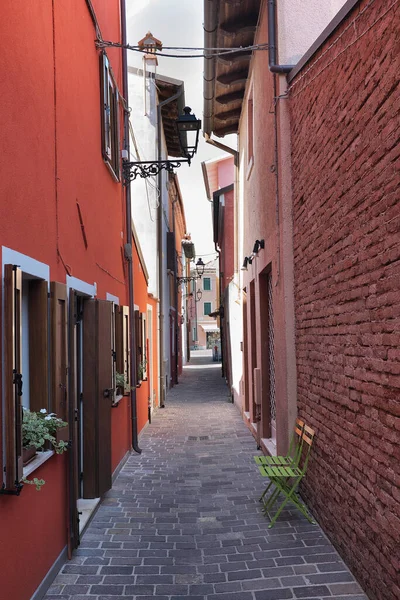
[66, 325]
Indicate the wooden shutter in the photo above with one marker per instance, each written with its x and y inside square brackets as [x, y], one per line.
[138, 341]
[122, 343]
[97, 397]
[38, 345]
[59, 366]
[144, 345]
[105, 107]
[73, 423]
[12, 374]
[171, 252]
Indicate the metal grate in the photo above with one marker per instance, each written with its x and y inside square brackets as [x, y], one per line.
[271, 361]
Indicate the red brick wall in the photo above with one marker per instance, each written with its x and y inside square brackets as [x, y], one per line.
[345, 160]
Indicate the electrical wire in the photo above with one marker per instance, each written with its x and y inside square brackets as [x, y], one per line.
[206, 52]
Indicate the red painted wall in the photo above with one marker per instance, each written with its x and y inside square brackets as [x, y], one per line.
[51, 159]
[33, 531]
[345, 157]
[263, 218]
[141, 297]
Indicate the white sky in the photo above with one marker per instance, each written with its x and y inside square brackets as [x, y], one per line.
[180, 23]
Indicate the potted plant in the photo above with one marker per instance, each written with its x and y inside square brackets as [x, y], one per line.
[120, 382]
[39, 428]
[141, 372]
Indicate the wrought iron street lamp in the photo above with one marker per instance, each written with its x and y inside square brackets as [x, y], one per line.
[200, 266]
[188, 129]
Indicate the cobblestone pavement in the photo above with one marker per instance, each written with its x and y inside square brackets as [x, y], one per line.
[183, 519]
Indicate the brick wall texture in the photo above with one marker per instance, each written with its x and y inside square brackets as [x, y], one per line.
[345, 159]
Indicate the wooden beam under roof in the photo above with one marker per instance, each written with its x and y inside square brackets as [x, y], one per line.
[233, 27]
[233, 78]
[222, 131]
[232, 97]
[235, 57]
[234, 113]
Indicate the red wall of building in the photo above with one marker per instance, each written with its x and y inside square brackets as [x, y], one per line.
[345, 157]
[51, 159]
[141, 298]
[33, 531]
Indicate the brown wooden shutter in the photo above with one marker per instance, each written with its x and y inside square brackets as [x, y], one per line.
[122, 343]
[12, 374]
[138, 342]
[171, 251]
[59, 347]
[38, 345]
[73, 533]
[126, 348]
[97, 397]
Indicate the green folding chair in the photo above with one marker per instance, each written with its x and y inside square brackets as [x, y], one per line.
[292, 457]
[286, 479]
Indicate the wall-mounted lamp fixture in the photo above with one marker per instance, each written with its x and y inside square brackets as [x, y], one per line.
[244, 267]
[250, 260]
[200, 266]
[186, 125]
[258, 245]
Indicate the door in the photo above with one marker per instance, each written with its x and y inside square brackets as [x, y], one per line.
[97, 397]
[73, 479]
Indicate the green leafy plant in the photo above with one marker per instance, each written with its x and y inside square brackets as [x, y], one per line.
[120, 380]
[37, 429]
[39, 483]
[41, 427]
[142, 369]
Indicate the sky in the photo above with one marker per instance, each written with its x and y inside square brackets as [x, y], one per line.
[180, 23]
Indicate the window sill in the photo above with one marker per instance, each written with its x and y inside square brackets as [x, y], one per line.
[117, 401]
[40, 458]
[113, 174]
[270, 445]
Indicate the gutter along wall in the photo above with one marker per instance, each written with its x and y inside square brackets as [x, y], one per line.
[52, 160]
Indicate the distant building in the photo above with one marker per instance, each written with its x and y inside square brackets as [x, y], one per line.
[204, 299]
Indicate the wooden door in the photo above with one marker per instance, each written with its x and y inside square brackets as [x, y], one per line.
[73, 479]
[97, 397]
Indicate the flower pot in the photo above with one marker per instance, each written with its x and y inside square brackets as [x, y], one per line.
[62, 434]
[28, 454]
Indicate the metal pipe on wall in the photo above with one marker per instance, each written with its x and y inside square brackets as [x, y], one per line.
[128, 251]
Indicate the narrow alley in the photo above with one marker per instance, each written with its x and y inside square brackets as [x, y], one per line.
[183, 518]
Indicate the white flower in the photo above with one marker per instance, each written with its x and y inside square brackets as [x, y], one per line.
[43, 410]
[48, 418]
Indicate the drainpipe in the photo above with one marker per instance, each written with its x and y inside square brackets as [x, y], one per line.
[211, 11]
[160, 246]
[272, 43]
[128, 251]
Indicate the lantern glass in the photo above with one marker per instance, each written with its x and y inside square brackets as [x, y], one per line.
[188, 128]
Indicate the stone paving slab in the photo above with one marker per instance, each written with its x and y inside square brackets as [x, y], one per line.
[183, 519]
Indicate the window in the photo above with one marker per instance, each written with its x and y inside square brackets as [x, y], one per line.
[207, 284]
[207, 308]
[122, 344]
[109, 117]
[26, 358]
